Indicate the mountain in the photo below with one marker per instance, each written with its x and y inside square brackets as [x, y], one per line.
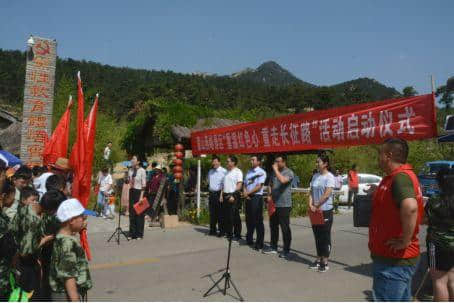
[269, 88]
[270, 73]
[374, 89]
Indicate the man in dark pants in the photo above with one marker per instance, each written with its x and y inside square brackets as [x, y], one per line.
[230, 199]
[281, 194]
[253, 193]
[215, 178]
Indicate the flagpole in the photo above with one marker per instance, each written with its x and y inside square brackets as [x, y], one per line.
[432, 80]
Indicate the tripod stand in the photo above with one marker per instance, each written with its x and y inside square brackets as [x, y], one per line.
[226, 276]
[118, 231]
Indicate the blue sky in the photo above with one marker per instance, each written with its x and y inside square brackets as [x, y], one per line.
[398, 43]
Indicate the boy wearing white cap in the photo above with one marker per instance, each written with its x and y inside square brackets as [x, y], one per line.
[69, 274]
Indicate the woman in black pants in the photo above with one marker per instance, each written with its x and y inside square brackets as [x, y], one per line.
[137, 181]
[440, 237]
[321, 199]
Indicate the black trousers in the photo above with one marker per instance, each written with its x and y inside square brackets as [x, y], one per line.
[136, 222]
[172, 202]
[281, 217]
[352, 193]
[254, 220]
[215, 211]
[322, 235]
[231, 216]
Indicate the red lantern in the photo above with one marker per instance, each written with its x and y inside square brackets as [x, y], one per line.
[179, 147]
[178, 176]
[177, 169]
[178, 162]
[179, 155]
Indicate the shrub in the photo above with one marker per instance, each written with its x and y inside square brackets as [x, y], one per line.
[190, 215]
[299, 207]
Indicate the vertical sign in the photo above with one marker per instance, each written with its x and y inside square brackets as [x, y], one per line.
[38, 99]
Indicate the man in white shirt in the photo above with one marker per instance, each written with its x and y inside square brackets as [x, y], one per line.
[106, 155]
[105, 189]
[215, 178]
[107, 151]
[230, 199]
[253, 192]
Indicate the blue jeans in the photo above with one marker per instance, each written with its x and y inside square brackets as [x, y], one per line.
[392, 283]
[101, 202]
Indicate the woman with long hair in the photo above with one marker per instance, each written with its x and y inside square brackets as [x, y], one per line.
[440, 237]
[321, 199]
[137, 182]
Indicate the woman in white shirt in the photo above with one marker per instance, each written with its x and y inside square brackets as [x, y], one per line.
[137, 182]
[321, 199]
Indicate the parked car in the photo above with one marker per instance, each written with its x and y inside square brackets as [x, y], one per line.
[364, 181]
[427, 176]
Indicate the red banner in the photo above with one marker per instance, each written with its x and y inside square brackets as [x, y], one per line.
[368, 123]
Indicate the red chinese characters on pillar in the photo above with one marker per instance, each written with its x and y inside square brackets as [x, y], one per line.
[35, 150]
[39, 91]
[37, 121]
[38, 106]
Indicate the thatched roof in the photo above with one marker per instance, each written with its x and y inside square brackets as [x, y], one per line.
[10, 138]
[182, 133]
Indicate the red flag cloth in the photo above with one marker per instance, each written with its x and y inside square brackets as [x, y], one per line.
[90, 134]
[57, 146]
[77, 158]
[410, 118]
[78, 162]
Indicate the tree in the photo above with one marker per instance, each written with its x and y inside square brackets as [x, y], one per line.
[409, 91]
[447, 97]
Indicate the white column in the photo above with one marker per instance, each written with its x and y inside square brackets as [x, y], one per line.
[199, 173]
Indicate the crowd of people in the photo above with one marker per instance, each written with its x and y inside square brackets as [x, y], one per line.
[397, 212]
[154, 184]
[41, 255]
[228, 186]
[40, 221]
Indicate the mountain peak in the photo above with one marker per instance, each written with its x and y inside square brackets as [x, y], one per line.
[269, 73]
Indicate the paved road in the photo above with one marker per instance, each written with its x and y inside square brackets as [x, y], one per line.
[181, 264]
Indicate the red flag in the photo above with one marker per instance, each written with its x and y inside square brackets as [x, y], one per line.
[90, 133]
[77, 158]
[78, 162]
[57, 146]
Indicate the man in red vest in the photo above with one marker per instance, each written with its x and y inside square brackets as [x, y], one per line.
[353, 184]
[393, 231]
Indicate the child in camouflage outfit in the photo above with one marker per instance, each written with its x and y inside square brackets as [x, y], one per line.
[7, 243]
[69, 274]
[27, 230]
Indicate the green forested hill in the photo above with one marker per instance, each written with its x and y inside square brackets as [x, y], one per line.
[137, 107]
[270, 87]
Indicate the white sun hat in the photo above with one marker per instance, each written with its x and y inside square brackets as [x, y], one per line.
[69, 209]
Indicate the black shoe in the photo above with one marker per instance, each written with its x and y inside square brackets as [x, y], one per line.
[212, 233]
[285, 255]
[323, 267]
[315, 265]
[258, 247]
[250, 243]
[236, 239]
[269, 251]
[220, 235]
